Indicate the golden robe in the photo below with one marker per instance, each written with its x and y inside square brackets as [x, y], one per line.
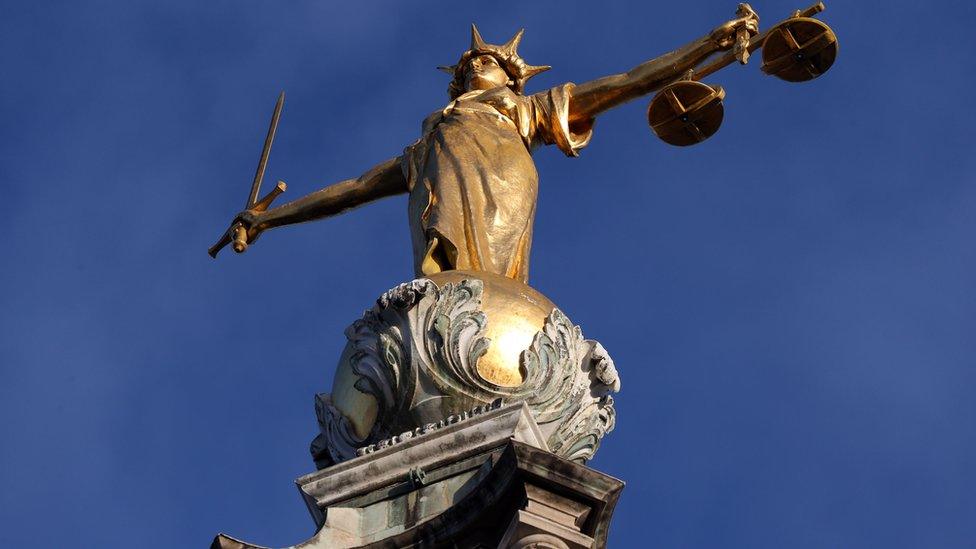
[473, 184]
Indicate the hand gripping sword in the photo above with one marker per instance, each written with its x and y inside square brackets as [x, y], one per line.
[238, 232]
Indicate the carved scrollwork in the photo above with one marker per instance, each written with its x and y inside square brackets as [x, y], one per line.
[571, 379]
[419, 338]
[451, 335]
[337, 440]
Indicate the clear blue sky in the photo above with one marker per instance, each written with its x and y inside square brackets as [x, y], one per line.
[791, 305]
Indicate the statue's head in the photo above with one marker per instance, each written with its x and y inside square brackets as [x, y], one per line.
[484, 72]
[486, 66]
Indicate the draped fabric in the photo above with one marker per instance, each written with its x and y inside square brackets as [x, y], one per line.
[473, 184]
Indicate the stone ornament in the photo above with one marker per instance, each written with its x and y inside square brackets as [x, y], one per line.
[415, 356]
[539, 541]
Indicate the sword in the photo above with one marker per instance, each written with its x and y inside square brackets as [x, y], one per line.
[238, 231]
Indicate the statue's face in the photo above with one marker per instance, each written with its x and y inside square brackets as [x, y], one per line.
[484, 73]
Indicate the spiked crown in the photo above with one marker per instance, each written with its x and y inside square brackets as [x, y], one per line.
[507, 55]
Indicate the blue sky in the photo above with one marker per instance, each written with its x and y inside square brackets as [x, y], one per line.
[791, 304]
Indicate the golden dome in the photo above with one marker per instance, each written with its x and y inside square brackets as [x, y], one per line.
[514, 313]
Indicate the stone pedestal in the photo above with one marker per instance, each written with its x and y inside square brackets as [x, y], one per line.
[481, 479]
[415, 447]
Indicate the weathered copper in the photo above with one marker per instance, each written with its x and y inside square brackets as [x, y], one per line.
[515, 313]
[437, 346]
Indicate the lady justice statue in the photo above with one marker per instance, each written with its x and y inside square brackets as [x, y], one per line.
[470, 330]
[470, 177]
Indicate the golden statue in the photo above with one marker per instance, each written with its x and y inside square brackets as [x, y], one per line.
[470, 177]
[469, 330]
[473, 185]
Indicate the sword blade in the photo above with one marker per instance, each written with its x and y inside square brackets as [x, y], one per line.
[263, 163]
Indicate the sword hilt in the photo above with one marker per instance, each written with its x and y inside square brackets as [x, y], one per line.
[240, 239]
[741, 48]
[238, 233]
[746, 45]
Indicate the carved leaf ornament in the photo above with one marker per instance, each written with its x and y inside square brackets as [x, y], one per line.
[420, 335]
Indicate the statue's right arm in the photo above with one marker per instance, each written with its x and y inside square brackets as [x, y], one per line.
[385, 179]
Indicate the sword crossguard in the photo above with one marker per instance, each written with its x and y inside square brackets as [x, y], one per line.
[264, 203]
[238, 232]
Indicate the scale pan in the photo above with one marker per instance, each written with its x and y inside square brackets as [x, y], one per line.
[686, 112]
[799, 49]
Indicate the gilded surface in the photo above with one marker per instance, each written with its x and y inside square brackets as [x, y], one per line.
[473, 184]
[470, 176]
[470, 330]
[515, 313]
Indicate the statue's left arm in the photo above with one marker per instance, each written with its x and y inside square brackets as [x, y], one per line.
[592, 98]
